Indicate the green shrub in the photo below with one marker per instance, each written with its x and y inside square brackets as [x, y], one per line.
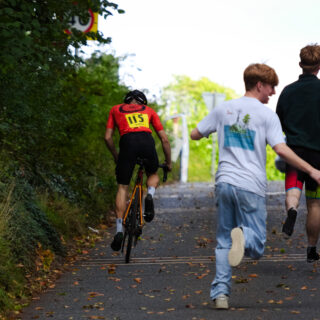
[27, 225]
[68, 219]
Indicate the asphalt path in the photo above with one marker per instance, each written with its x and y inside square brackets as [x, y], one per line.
[173, 265]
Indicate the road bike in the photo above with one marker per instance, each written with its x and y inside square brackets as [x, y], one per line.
[133, 218]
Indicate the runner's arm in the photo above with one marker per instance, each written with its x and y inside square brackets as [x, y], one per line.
[290, 157]
[110, 144]
[195, 134]
[165, 147]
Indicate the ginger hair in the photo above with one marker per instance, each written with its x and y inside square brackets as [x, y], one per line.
[259, 72]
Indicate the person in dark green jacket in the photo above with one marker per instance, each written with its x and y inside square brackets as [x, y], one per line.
[299, 111]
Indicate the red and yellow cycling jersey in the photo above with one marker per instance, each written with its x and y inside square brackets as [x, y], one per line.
[133, 118]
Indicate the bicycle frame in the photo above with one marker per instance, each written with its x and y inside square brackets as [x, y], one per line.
[133, 217]
[137, 188]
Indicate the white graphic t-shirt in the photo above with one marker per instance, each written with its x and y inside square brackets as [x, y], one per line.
[244, 126]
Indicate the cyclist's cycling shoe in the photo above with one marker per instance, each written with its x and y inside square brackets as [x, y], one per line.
[148, 208]
[117, 241]
[312, 254]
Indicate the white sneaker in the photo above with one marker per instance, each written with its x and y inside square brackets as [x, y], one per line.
[236, 252]
[221, 302]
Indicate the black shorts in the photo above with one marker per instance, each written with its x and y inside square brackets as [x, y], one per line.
[296, 178]
[135, 145]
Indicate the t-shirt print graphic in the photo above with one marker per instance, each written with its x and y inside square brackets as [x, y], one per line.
[239, 135]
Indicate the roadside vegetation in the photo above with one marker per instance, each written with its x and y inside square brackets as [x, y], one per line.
[56, 175]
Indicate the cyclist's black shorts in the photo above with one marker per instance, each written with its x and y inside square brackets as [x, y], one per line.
[135, 145]
[296, 178]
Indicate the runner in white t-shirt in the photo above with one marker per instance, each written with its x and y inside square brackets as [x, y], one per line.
[244, 126]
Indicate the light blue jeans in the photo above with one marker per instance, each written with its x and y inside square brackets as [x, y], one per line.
[237, 207]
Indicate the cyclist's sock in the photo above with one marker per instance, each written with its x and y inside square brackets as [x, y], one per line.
[119, 225]
[151, 190]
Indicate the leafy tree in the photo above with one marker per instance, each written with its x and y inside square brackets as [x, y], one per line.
[35, 60]
[185, 96]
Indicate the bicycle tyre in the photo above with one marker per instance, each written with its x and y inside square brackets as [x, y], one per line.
[131, 226]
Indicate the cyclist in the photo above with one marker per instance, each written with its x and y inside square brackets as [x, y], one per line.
[133, 119]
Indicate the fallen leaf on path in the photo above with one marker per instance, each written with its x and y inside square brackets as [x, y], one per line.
[49, 314]
[114, 279]
[111, 269]
[95, 294]
[242, 280]
[202, 276]
[295, 312]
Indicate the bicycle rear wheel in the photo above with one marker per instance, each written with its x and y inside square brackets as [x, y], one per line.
[131, 226]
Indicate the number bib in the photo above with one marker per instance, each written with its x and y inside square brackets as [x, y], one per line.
[136, 120]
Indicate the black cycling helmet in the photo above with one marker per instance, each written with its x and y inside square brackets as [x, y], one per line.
[137, 95]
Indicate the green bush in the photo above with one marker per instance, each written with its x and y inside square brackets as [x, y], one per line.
[69, 220]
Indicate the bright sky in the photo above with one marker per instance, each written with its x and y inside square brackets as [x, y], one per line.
[217, 39]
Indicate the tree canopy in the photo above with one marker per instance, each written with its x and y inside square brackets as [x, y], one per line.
[184, 95]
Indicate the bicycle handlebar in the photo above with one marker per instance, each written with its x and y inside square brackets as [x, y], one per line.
[165, 169]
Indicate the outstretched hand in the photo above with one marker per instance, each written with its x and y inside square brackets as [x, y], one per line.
[169, 166]
[315, 175]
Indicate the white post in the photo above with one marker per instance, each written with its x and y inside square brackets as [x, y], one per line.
[185, 150]
[212, 100]
[185, 147]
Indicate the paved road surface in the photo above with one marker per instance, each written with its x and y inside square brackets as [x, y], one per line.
[173, 266]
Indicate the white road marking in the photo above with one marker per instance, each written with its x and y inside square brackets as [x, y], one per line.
[293, 257]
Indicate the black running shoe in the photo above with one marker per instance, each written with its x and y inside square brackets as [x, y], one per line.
[117, 241]
[312, 254]
[288, 226]
[148, 208]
